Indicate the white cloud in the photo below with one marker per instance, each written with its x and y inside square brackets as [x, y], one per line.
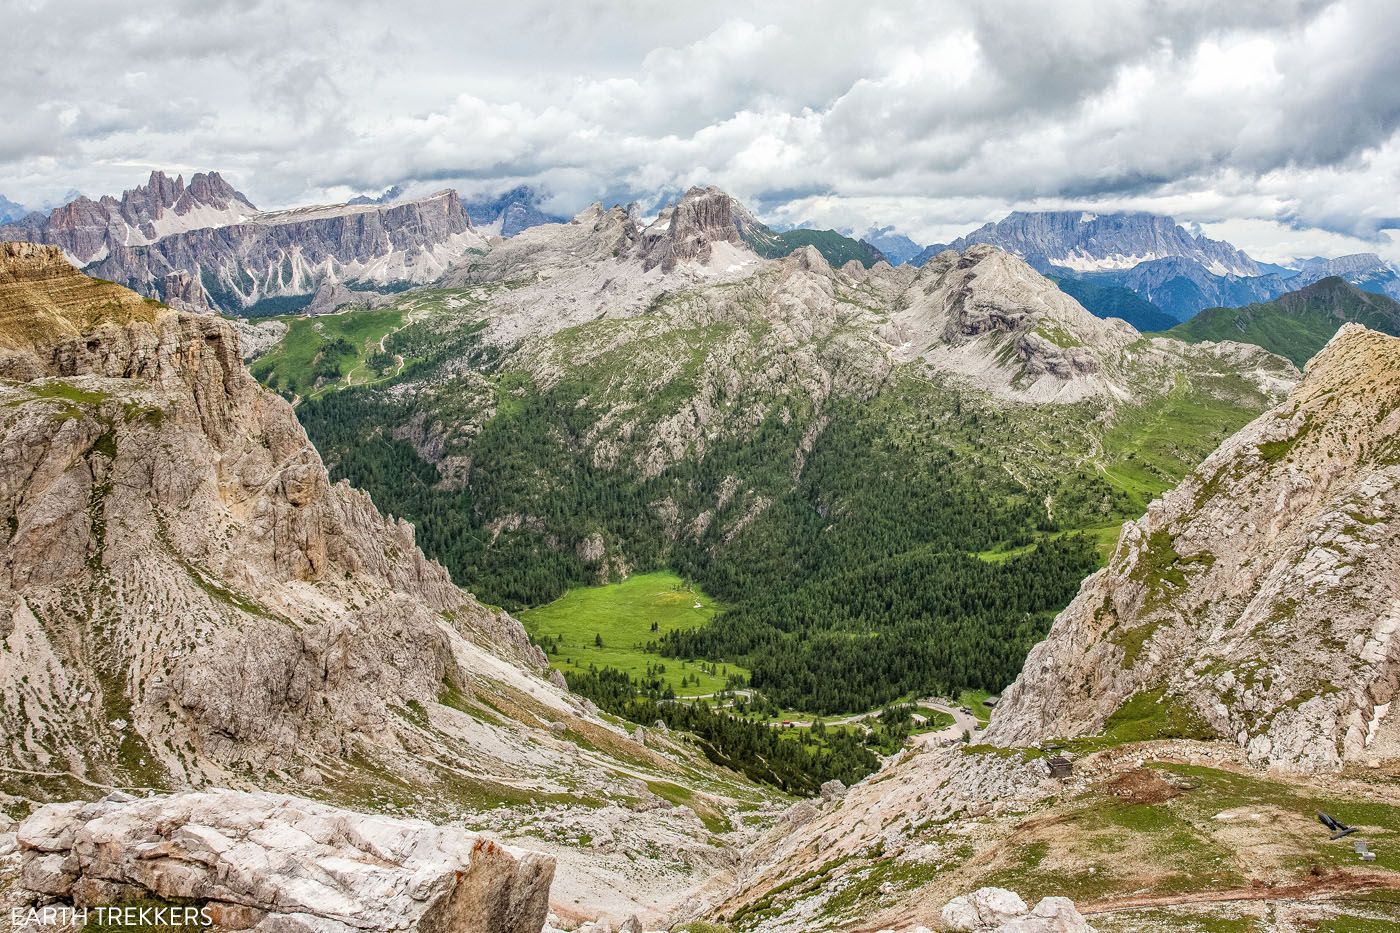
[1275, 120]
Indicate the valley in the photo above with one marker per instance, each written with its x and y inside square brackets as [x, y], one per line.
[776, 534]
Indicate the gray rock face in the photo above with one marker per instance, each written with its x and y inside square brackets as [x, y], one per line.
[686, 231]
[164, 507]
[290, 254]
[1365, 270]
[1087, 242]
[272, 863]
[1261, 597]
[1182, 286]
[88, 230]
[183, 293]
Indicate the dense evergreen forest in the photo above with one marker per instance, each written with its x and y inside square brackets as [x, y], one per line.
[854, 581]
[798, 763]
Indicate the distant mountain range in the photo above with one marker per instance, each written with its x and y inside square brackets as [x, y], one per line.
[509, 213]
[1079, 241]
[87, 230]
[206, 246]
[1156, 259]
[1298, 324]
[9, 210]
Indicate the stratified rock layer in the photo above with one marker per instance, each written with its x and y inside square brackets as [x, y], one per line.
[275, 864]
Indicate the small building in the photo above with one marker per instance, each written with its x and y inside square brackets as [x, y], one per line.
[991, 702]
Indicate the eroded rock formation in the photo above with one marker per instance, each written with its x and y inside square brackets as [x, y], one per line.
[1261, 596]
[275, 864]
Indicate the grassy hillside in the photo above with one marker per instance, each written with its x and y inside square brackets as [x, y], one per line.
[1298, 324]
[333, 350]
[835, 248]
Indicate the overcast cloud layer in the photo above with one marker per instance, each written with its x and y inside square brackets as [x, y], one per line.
[1274, 124]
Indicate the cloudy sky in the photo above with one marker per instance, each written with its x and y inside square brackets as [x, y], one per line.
[1275, 124]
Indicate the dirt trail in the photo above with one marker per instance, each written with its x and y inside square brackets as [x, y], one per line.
[1323, 886]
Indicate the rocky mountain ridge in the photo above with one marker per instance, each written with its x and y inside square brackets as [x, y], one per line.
[1364, 270]
[1158, 260]
[1259, 597]
[1297, 324]
[279, 260]
[189, 601]
[88, 231]
[1083, 241]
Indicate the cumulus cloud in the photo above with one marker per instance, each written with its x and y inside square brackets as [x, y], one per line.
[1278, 121]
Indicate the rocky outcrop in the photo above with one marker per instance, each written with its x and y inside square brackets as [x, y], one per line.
[273, 864]
[183, 292]
[185, 591]
[988, 315]
[187, 600]
[88, 231]
[687, 230]
[289, 254]
[1259, 599]
[997, 910]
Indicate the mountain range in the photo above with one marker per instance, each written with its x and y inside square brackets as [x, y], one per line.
[1081, 241]
[894, 482]
[1156, 259]
[1298, 324]
[88, 231]
[511, 212]
[608, 396]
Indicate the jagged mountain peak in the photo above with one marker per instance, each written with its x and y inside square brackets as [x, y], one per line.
[1086, 241]
[1258, 599]
[988, 315]
[88, 231]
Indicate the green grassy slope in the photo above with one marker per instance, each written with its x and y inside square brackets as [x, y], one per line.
[622, 615]
[1298, 324]
[327, 351]
[835, 248]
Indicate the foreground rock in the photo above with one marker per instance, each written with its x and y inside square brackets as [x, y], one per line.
[997, 909]
[273, 863]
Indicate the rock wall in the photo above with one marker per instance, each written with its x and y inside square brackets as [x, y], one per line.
[184, 590]
[1260, 598]
[87, 231]
[292, 253]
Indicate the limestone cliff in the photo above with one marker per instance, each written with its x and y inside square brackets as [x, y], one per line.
[185, 592]
[186, 600]
[1260, 598]
[88, 230]
[290, 254]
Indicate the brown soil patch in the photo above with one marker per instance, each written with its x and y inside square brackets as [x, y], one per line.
[1320, 884]
[1142, 785]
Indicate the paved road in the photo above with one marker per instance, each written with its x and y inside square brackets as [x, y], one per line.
[963, 723]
